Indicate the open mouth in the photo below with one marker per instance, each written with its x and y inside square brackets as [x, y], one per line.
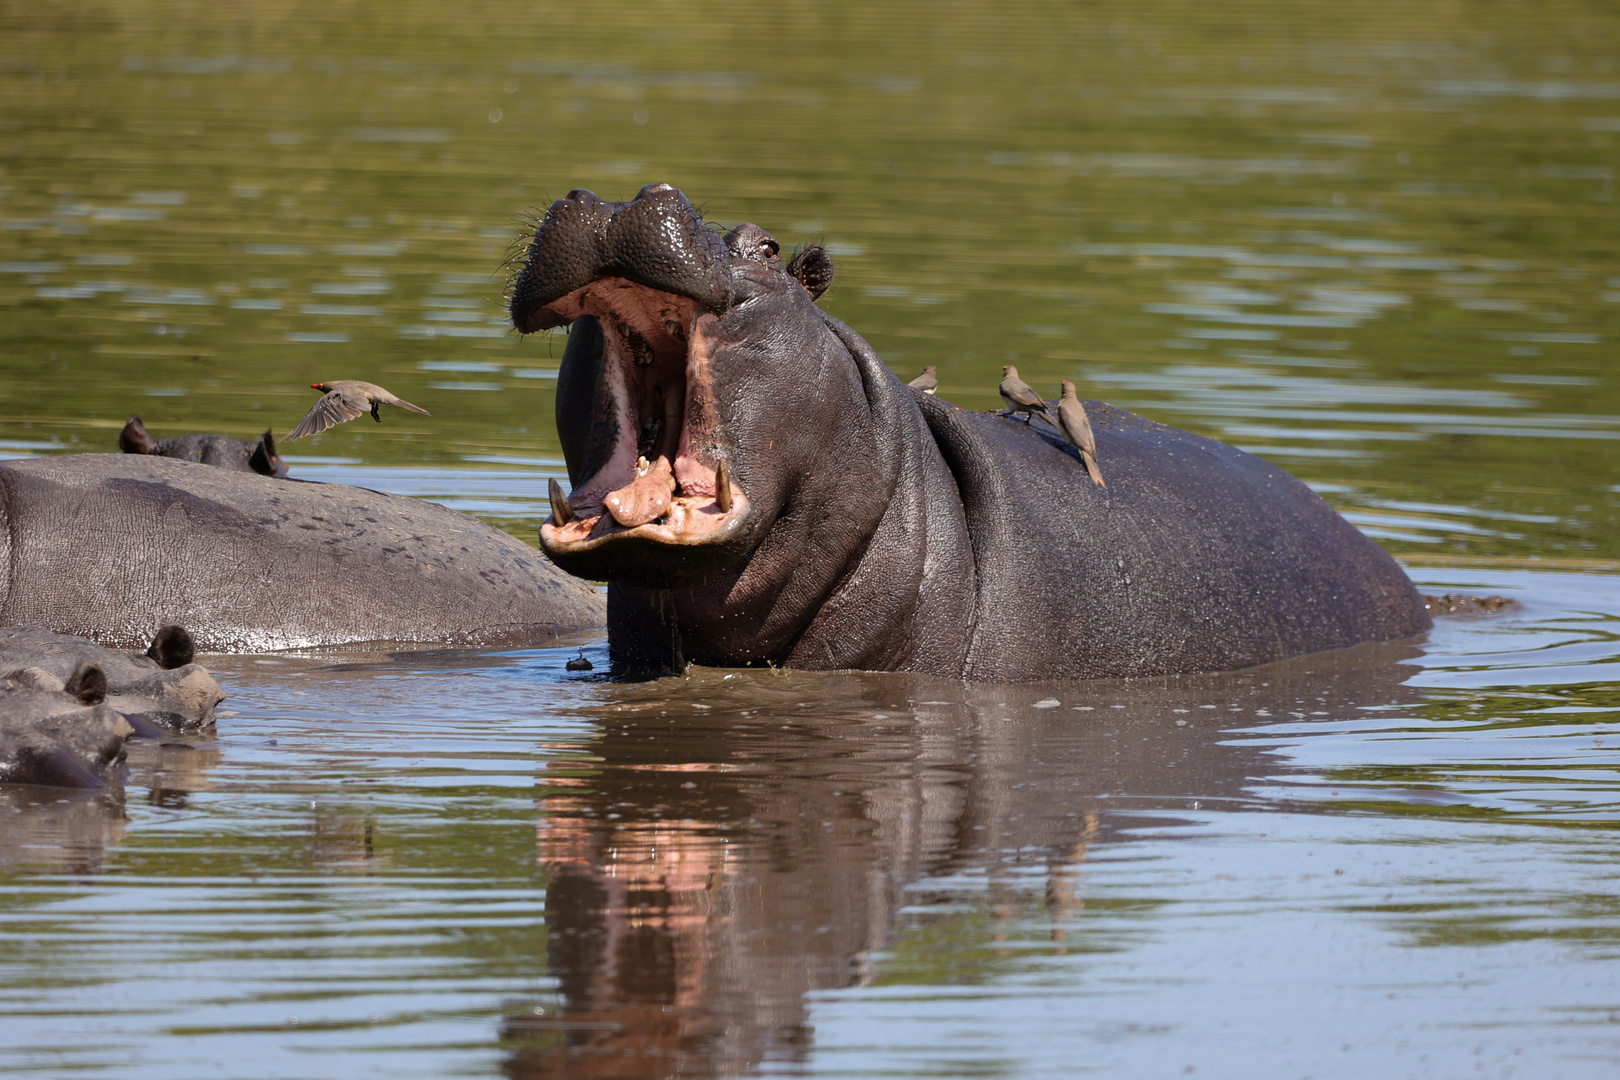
[665, 478]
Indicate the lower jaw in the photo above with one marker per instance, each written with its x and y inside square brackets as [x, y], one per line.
[653, 555]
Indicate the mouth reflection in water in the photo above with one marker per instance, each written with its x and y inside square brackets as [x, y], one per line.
[727, 844]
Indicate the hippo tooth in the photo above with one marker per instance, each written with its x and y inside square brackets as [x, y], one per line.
[560, 508]
[722, 487]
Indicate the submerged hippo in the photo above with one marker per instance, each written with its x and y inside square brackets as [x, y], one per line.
[62, 736]
[219, 450]
[162, 686]
[111, 546]
[756, 486]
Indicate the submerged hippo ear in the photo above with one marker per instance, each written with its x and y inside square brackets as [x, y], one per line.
[172, 647]
[813, 268]
[134, 439]
[88, 683]
[264, 460]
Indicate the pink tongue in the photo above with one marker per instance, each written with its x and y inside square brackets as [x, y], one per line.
[646, 498]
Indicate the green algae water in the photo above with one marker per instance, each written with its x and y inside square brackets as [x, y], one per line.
[1374, 243]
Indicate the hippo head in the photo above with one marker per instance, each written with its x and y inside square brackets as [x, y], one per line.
[701, 389]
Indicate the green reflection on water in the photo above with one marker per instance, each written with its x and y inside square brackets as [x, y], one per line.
[206, 209]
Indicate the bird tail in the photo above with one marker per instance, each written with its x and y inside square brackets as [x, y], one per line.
[1091, 467]
[402, 403]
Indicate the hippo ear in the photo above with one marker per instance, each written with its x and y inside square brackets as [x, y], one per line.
[264, 460]
[134, 439]
[88, 683]
[813, 268]
[172, 647]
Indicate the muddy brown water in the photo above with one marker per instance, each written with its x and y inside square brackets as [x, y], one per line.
[1374, 243]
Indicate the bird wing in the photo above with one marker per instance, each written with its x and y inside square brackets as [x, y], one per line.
[1021, 393]
[1077, 427]
[333, 409]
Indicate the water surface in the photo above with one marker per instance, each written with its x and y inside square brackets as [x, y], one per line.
[1373, 243]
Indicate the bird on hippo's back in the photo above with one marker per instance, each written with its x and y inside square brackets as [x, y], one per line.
[927, 382]
[1077, 429]
[1020, 396]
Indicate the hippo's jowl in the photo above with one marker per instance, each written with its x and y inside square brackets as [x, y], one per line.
[757, 486]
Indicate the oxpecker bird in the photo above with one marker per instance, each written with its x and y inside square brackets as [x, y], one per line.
[927, 382]
[1021, 397]
[1072, 419]
[346, 399]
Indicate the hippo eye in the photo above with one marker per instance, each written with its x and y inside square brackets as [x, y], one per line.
[769, 248]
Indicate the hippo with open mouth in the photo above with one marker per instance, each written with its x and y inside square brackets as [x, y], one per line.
[757, 487]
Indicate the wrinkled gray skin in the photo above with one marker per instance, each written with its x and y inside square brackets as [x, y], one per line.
[179, 698]
[55, 739]
[880, 528]
[112, 546]
[67, 705]
[221, 451]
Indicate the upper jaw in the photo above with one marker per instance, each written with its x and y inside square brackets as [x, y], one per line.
[657, 240]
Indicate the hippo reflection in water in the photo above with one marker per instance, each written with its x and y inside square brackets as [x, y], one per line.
[756, 486]
[710, 879]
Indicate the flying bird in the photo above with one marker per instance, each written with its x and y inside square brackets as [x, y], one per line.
[927, 382]
[344, 400]
[1021, 397]
[1072, 419]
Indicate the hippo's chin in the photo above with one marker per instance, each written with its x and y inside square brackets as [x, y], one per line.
[665, 481]
[655, 555]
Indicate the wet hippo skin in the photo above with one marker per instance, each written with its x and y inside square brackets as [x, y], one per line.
[219, 450]
[111, 546]
[60, 735]
[160, 687]
[824, 515]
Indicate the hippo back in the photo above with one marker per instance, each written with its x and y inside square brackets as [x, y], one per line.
[110, 546]
[1194, 557]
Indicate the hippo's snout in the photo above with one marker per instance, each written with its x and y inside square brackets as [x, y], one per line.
[656, 239]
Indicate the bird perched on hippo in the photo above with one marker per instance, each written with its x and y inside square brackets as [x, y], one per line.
[816, 512]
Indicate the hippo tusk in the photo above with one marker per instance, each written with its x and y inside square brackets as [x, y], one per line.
[560, 508]
[722, 487]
